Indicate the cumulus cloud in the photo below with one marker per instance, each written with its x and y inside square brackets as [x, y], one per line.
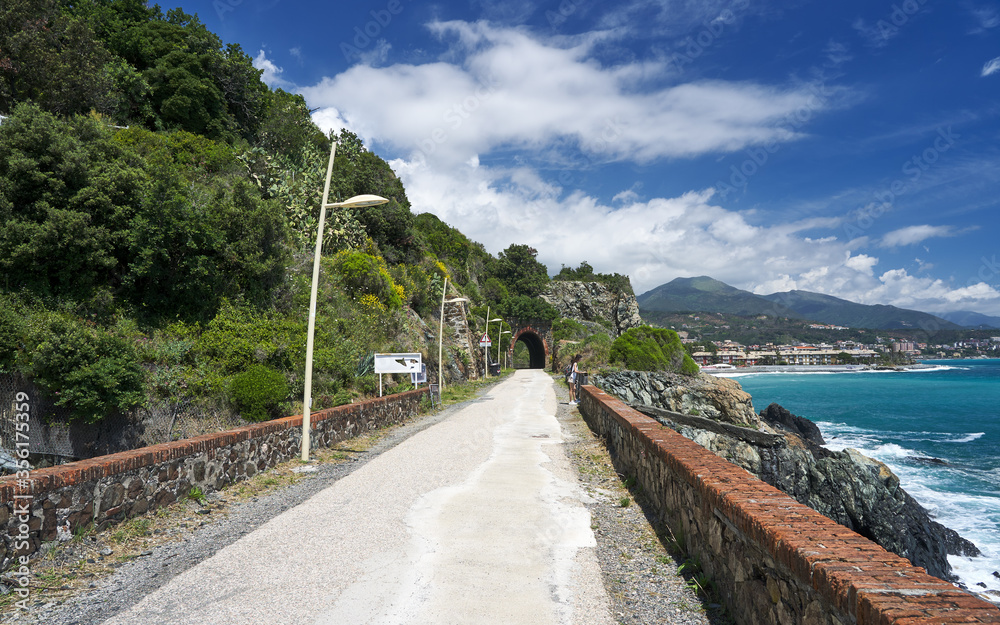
[911, 235]
[898, 287]
[271, 72]
[504, 88]
[991, 67]
[477, 133]
[862, 262]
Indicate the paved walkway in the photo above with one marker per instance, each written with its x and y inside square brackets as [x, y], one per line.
[477, 519]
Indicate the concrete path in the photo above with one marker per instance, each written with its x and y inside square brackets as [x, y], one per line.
[477, 519]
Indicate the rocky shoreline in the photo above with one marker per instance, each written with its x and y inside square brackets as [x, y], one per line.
[787, 452]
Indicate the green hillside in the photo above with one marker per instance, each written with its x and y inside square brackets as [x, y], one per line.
[833, 310]
[704, 294]
[158, 212]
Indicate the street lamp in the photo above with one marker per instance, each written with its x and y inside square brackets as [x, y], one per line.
[441, 333]
[358, 201]
[499, 338]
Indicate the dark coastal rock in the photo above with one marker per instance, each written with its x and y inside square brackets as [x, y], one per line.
[778, 417]
[926, 460]
[702, 395]
[845, 486]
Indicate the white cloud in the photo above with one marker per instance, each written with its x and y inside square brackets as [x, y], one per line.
[986, 18]
[378, 55]
[991, 67]
[501, 95]
[862, 262]
[932, 295]
[660, 239]
[503, 88]
[628, 196]
[272, 73]
[912, 235]
[837, 53]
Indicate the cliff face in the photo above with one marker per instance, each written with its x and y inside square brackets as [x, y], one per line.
[593, 302]
[785, 451]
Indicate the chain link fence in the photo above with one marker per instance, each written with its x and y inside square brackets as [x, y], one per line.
[50, 431]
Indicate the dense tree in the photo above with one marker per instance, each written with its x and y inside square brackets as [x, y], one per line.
[82, 212]
[150, 182]
[52, 59]
[519, 271]
[524, 307]
[287, 129]
[67, 192]
[359, 171]
[191, 249]
[585, 273]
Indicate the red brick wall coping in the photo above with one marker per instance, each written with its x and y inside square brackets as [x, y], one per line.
[110, 488]
[44, 480]
[773, 559]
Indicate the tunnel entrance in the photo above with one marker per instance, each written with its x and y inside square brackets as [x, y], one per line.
[537, 355]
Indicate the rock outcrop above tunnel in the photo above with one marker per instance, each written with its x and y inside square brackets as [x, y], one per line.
[594, 302]
[786, 451]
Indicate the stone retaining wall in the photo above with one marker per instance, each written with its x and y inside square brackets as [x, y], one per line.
[772, 559]
[111, 488]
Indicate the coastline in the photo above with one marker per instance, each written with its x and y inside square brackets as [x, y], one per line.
[811, 369]
[933, 432]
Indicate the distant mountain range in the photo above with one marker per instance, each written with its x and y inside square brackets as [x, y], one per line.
[704, 294]
[969, 319]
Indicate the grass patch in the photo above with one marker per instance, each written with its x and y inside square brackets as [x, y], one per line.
[131, 529]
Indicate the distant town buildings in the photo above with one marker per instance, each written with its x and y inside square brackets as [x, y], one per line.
[730, 353]
[843, 352]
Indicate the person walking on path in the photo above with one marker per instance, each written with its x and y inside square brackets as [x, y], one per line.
[571, 379]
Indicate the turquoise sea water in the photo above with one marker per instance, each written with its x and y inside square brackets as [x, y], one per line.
[950, 412]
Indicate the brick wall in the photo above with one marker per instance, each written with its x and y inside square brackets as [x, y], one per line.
[110, 488]
[772, 559]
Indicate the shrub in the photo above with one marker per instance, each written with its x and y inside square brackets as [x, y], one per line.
[238, 338]
[86, 369]
[568, 329]
[365, 274]
[652, 349]
[257, 392]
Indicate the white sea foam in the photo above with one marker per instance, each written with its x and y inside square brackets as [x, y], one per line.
[937, 368]
[892, 451]
[968, 438]
[974, 517]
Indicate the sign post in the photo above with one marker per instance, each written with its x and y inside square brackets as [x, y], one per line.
[485, 343]
[396, 363]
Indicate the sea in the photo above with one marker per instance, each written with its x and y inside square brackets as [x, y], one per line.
[937, 428]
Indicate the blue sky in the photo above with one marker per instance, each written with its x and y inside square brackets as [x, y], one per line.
[850, 148]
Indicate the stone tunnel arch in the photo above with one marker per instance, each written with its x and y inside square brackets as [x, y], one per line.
[538, 347]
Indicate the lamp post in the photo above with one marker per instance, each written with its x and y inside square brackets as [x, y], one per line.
[358, 201]
[441, 333]
[499, 337]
